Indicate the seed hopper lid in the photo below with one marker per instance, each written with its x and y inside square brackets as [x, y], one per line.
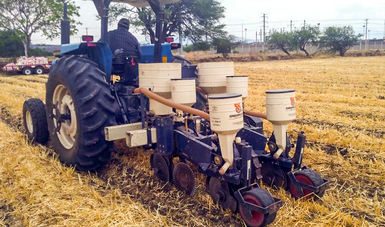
[225, 96]
[280, 91]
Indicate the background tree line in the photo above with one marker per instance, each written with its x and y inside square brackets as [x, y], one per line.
[333, 39]
[195, 20]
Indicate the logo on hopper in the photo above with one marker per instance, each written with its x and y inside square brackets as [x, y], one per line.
[238, 107]
[292, 99]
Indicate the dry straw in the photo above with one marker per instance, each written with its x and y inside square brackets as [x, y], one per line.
[340, 107]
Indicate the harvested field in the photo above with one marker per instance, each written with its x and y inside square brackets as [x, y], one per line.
[341, 108]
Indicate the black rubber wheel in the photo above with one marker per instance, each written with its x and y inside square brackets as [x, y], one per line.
[184, 178]
[309, 177]
[161, 168]
[35, 120]
[27, 71]
[79, 89]
[260, 197]
[39, 70]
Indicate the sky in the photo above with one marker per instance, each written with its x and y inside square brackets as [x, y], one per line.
[244, 18]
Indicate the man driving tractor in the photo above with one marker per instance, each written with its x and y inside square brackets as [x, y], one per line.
[121, 38]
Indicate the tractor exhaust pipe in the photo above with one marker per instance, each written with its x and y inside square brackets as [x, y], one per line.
[65, 27]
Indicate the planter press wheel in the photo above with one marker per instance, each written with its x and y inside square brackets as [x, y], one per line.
[259, 197]
[79, 105]
[308, 177]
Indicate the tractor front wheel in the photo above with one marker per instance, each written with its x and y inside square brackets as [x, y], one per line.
[79, 106]
[35, 120]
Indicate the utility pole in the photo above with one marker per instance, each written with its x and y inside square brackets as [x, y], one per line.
[304, 24]
[245, 35]
[264, 28]
[366, 26]
[366, 34]
[291, 26]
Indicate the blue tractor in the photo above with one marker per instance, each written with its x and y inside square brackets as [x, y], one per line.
[94, 98]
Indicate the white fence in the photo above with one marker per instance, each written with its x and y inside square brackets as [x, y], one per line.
[255, 48]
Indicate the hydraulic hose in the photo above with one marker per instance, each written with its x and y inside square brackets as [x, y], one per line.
[255, 114]
[169, 103]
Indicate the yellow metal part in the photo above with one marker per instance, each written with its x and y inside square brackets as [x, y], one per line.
[115, 78]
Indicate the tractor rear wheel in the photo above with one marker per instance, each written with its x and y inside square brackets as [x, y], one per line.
[79, 106]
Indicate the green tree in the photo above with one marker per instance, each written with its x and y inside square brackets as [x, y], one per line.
[281, 41]
[224, 45]
[10, 44]
[199, 46]
[307, 35]
[198, 20]
[339, 39]
[31, 16]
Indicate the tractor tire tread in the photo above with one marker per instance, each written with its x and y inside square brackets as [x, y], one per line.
[88, 89]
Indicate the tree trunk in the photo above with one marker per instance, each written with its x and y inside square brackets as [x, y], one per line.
[304, 50]
[26, 44]
[25, 48]
[285, 51]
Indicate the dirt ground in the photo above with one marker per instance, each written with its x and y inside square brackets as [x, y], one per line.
[340, 107]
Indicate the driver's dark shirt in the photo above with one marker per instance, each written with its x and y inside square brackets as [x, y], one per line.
[121, 38]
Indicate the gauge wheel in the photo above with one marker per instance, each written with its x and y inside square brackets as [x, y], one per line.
[259, 197]
[308, 177]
